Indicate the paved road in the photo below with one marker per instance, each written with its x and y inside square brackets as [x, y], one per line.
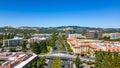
[49, 64]
[64, 45]
[56, 48]
[65, 64]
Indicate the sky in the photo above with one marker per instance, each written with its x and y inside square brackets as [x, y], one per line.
[52, 13]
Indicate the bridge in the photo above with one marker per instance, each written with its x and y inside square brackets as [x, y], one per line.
[67, 57]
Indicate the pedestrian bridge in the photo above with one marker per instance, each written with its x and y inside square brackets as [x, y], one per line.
[66, 57]
[61, 55]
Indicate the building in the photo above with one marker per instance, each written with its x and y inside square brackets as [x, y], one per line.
[88, 47]
[83, 47]
[93, 34]
[106, 35]
[39, 37]
[17, 59]
[112, 35]
[75, 36]
[115, 36]
[16, 42]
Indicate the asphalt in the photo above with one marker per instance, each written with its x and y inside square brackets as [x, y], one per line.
[65, 64]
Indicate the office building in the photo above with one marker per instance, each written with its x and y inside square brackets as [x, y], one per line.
[93, 34]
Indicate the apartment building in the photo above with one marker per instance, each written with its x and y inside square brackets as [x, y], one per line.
[39, 37]
[82, 47]
[115, 36]
[112, 35]
[93, 34]
[88, 47]
[75, 36]
[16, 41]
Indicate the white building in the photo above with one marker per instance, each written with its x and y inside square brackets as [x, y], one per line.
[106, 35]
[16, 41]
[75, 36]
[39, 37]
[115, 36]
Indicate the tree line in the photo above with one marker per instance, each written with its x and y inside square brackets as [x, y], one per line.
[107, 59]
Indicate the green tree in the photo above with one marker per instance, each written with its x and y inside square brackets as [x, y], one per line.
[99, 58]
[68, 47]
[106, 63]
[43, 46]
[34, 64]
[35, 47]
[77, 62]
[24, 46]
[41, 62]
[116, 60]
[56, 63]
[12, 50]
[107, 60]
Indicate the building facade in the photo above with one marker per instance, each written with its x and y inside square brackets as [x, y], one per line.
[115, 36]
[75, 36]
[39, 37]
[93, 34]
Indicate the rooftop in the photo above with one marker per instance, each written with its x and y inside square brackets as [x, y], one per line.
[113, 46]
[15, 59]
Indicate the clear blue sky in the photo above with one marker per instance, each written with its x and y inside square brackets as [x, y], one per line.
[51, 13]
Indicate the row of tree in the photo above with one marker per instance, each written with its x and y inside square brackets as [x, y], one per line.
[57, 63]
[107, 60]
[68, 47]
[52, 40]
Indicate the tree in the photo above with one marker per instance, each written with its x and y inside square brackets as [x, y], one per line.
[24, 46]
[106, 63]
[41, 62]
[34, 64]
[43, 47]
[12, 50]
[116, 60]
[77, 62]
[35, 47]
[107, 60]
[56, 63]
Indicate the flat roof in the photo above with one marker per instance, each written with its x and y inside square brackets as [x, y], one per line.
[22, 64]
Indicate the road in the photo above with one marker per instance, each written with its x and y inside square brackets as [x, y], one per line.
[65, 64]
[56, 48]
[49, 64]
[64, 45]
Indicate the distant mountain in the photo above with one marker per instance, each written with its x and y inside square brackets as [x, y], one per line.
[53, 29]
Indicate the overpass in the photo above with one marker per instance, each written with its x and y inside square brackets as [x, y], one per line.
[66, 57]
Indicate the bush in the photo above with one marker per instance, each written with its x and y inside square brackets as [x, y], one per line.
[12, 50]
[89, 63]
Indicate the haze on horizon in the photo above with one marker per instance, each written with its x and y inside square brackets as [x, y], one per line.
[52, 13]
